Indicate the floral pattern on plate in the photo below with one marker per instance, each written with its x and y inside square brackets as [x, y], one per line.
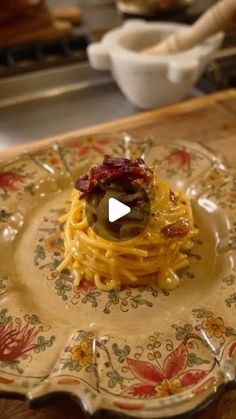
[18, 338]
[49, 252]
[142, 349]
[92, 149]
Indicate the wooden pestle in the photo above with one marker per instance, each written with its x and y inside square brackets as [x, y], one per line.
[215, 19]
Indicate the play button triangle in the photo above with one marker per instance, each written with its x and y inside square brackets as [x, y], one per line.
[117, 210]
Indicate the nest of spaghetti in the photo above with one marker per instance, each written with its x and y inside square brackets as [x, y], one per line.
[153, 255]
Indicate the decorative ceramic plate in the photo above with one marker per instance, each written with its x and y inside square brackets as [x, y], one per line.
[140, 351]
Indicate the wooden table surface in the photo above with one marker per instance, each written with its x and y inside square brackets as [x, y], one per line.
[210, 120]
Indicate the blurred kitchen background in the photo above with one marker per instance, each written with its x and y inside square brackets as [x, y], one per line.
[47, 86]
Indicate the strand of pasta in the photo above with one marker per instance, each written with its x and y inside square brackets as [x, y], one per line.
[109, 264]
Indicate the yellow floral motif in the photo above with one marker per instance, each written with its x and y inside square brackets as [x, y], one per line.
[52, 244]
[82, 353]
[135, 153]
[53, 161]
[214, 327]
[214, 175]
[91, 140]
[168, 387]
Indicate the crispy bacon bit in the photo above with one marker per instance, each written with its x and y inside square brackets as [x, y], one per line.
[173, 197]
[177, 229]
[84, 183]
[111, 169]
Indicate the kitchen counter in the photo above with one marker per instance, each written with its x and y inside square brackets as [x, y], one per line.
[56, 100]
[51, 102]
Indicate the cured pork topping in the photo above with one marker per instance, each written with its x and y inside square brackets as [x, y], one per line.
[113, 168]
[177, 229]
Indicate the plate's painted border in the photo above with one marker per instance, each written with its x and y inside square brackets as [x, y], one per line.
[56, 146]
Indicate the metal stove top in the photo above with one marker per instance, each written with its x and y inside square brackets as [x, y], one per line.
[49, 89]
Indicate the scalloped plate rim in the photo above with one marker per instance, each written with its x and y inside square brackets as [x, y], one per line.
[190, 145]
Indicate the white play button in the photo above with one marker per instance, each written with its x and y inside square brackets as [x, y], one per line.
[116, 210]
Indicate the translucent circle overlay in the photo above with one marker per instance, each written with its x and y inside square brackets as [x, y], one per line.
[126, 227]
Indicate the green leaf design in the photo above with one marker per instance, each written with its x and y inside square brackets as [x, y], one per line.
[114, 297]
[230, 332]
[3, 284]
[137, 300]
[49, 230]
[39, 254]
[30, 189]
[91, 297]
[106, 309]
[4, 319]
[181, 332]
[62, 288]
[77, 367]
[65, 363]
[51, 265]
[32, 319]
[114, 378]
[193, 255]
[230, 279]
[4, 215]
[122, 298]
[231, 300]
[165, 293]
[83, 335]
[193, 359]
[66, 272]
[59, 211]
[90, 368]
[43, 344]
[122, 354]
[186, 273]
[200, 313]
[71, 365]
[14, 365]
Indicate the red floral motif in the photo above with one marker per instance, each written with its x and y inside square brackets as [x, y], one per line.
[68, 380]
[90, 144]
[126, 406]
[172, 378]
[85, 287]
[16, 340]
[232, 349]
[9, 181]
[180, 158]
[6, 380]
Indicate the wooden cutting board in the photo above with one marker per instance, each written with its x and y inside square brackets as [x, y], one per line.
[209, 120]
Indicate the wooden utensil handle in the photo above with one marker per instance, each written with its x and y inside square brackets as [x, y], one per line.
[215, 19]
